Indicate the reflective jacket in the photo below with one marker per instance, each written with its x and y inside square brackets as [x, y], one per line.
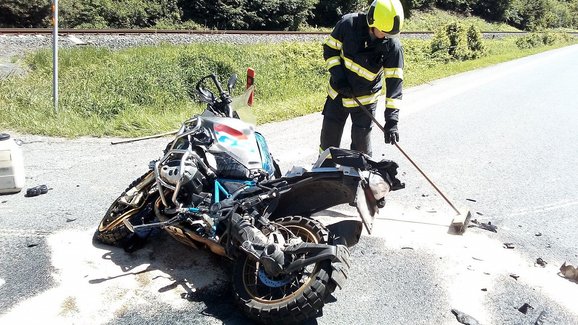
[356, 60]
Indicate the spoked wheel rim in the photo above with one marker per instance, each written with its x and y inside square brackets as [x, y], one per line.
[266, 289]
[116, 215]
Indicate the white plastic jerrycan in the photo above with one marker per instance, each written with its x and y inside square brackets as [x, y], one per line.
[11, 165]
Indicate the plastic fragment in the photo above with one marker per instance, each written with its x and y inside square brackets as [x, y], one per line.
[486, 226]
[569, 271]
[524, 309]
[541, 262]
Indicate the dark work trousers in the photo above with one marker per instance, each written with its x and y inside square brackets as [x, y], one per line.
[334, 117]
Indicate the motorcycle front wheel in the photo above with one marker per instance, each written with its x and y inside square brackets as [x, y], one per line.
[286, 299]
[111, 229]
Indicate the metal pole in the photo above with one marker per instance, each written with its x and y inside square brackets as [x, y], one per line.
[55, 54]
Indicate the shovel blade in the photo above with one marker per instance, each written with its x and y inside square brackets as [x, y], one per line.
[460, 222]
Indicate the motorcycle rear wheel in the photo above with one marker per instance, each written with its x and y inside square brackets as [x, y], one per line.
[291, 299]
[111, 229]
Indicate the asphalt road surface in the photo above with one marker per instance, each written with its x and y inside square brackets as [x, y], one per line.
[501, 141]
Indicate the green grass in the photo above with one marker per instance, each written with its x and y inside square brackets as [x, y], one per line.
[147, 90]
[431, 20]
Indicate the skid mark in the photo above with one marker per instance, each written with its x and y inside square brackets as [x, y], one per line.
[544, 208]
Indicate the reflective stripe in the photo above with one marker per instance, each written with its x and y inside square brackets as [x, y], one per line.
[321, 150]
[394, 73]
[333, 43]
[332, 61]
[392, 103]
[331, 92]
[359, 70]
[365, 100]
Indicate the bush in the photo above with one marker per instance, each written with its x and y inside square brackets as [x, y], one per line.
[475, 42]
[440, 45]
[463, 6]
[453, 41]
[542, 39]
[327, 12]
[529, 41]
[248, 14]
[528, 14]
[494, 10]
[118, 14]
[24, 13]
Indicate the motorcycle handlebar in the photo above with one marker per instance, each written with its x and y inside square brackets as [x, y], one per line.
[210, 98]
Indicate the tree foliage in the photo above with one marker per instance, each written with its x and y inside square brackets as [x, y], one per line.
[268, 14]
[118, 13]
[24, 13]
[328, 12]
[248, 14]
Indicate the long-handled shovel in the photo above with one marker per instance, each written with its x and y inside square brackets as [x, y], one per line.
[144, 138]
[461, 220]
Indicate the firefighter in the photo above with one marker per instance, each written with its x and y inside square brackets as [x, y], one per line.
[361, 54]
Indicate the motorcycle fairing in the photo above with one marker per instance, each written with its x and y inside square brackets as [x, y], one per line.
[238, 148]
[366, 206]
[236, 138]
[267, 160]
[315, 192]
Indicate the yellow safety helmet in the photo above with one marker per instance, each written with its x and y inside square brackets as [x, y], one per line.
[386, 15]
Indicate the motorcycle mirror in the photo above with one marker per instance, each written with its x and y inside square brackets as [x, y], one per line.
[205, 95]
[231, 83]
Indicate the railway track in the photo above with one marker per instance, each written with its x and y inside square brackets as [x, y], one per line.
[39, 31]
[18, 41]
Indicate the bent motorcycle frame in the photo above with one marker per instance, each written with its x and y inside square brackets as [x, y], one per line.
[315, 190]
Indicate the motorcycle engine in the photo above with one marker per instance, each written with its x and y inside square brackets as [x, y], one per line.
[170, 172]
[189, 175]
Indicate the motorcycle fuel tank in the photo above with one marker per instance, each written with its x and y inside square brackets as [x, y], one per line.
[239, 141]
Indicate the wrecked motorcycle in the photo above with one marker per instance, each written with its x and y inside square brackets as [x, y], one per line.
[217, 186]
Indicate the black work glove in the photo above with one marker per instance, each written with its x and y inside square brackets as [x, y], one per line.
[391, 134]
